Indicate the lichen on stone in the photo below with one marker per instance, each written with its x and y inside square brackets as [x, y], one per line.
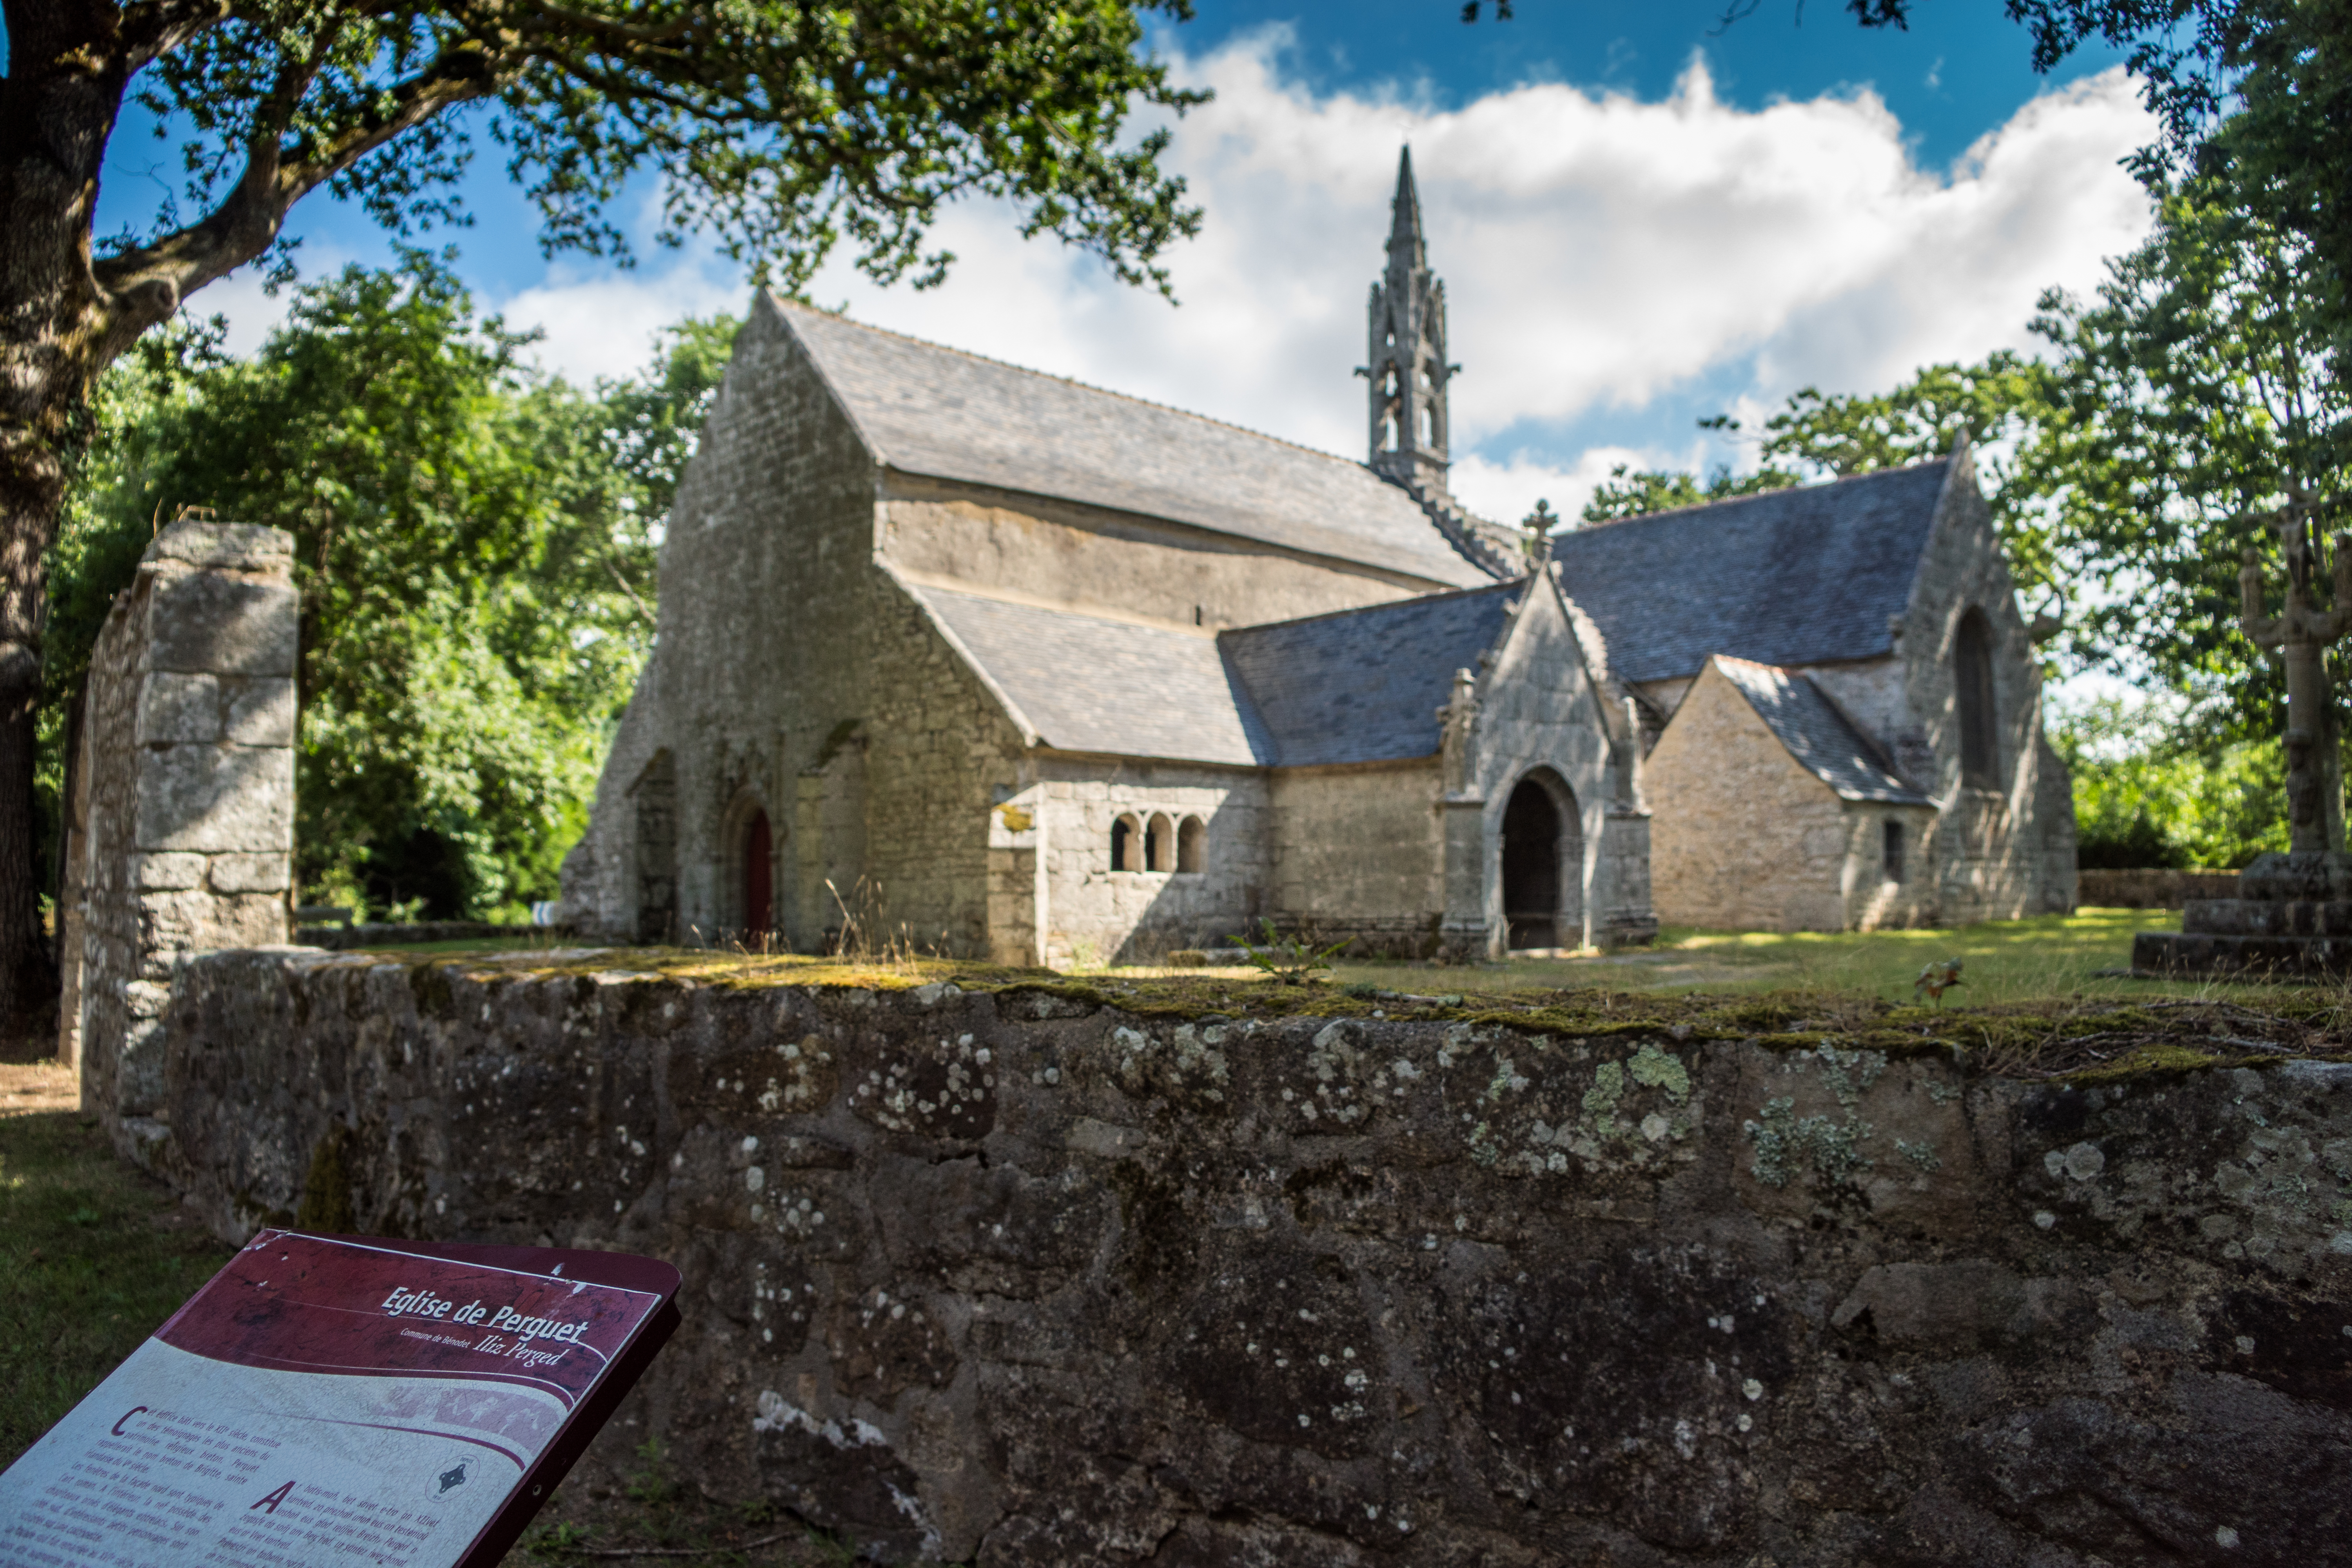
[1186, 1068]
[1921, 1155]
[1849, 1074]
[1608, 1088]
[1654, 1069]
[1785, 1142]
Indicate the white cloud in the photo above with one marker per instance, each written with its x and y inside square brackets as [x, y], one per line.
[1599, 253]
[607, 325]
[248, 309]
[1603, 255]
[1508, 490]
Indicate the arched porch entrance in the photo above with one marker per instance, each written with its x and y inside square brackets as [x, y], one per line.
[759, 880]
[1543, 864]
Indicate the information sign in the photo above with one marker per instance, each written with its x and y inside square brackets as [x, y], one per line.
[329, 1400]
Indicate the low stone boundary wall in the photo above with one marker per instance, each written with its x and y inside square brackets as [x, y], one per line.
[343, 938]
[2158, 888]
[1022, 1277]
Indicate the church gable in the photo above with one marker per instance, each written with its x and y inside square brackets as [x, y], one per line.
[1815, 732]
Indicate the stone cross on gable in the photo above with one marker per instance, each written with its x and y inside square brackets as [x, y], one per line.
[2301, 635]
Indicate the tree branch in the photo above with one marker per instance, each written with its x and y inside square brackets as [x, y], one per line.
[145, 285]
[565, 17]
[154, 29]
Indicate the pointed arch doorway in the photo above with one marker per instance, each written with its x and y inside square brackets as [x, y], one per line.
[1543, 864]
[758, 873]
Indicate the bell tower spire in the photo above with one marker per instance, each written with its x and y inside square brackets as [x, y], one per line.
[1407, 366]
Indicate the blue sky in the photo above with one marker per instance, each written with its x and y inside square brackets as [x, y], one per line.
[1959, 71]
[1643, 218]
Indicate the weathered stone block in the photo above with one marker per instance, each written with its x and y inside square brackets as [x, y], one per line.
[206, 623]
[231, 546]
[249, 873]
[178, 922]
[261, 713]
[175, 707]
[217, 800]
[166, 872]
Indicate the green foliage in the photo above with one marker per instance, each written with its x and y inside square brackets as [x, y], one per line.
[2146, 794]
[780, 127]
[2285, 151]
[1293, 961]
[2193, 390]
[474, 546]
[1636, 493]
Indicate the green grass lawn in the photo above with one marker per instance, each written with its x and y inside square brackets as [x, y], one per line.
[2069, 956]
[2003, 961]
[94, 1255]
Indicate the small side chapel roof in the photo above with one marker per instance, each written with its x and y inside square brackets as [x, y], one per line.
[1354, 685]
[1817, 733]
[944, 414]
[1808, 576]
[1086, 683]
[1364, 685]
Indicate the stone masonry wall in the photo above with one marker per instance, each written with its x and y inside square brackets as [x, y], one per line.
[2155, 888]
[793, 674]
[1018, 1278]
[1066, 553]
[1097, 914]
[181, 832]
[1359, 853]
[1997, 853]
[1743, 837]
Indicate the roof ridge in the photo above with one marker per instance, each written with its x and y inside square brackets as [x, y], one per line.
[1758, 664]
[930, 582]
[843, 316]
[1508, 583]
[1753, 496]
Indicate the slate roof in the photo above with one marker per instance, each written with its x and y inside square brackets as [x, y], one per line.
[1364, 686]
[1358, 686]
[944, 414]
[1817, 733]
[1798, 576]
[1086, 683]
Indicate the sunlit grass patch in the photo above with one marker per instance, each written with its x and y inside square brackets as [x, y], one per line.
[2001, 962]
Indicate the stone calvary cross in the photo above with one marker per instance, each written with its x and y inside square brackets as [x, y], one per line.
[2302, 633]
[2292, 912]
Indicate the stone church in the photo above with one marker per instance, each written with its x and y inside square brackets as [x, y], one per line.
[998, 664]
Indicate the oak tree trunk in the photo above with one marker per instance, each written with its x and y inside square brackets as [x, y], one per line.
[57, 106]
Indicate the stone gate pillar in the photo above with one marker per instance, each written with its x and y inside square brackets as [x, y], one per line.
[179, 834]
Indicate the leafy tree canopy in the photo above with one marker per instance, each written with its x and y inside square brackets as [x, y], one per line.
[471, 542]
[2188, 396]
[1822, 436]
[783, 128]
[2149, 794]
[1635, 492]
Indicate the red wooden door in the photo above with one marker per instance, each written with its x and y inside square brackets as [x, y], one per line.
[759, 878]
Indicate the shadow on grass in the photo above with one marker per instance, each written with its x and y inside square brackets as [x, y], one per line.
[94, 1255]
[2003, 961]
